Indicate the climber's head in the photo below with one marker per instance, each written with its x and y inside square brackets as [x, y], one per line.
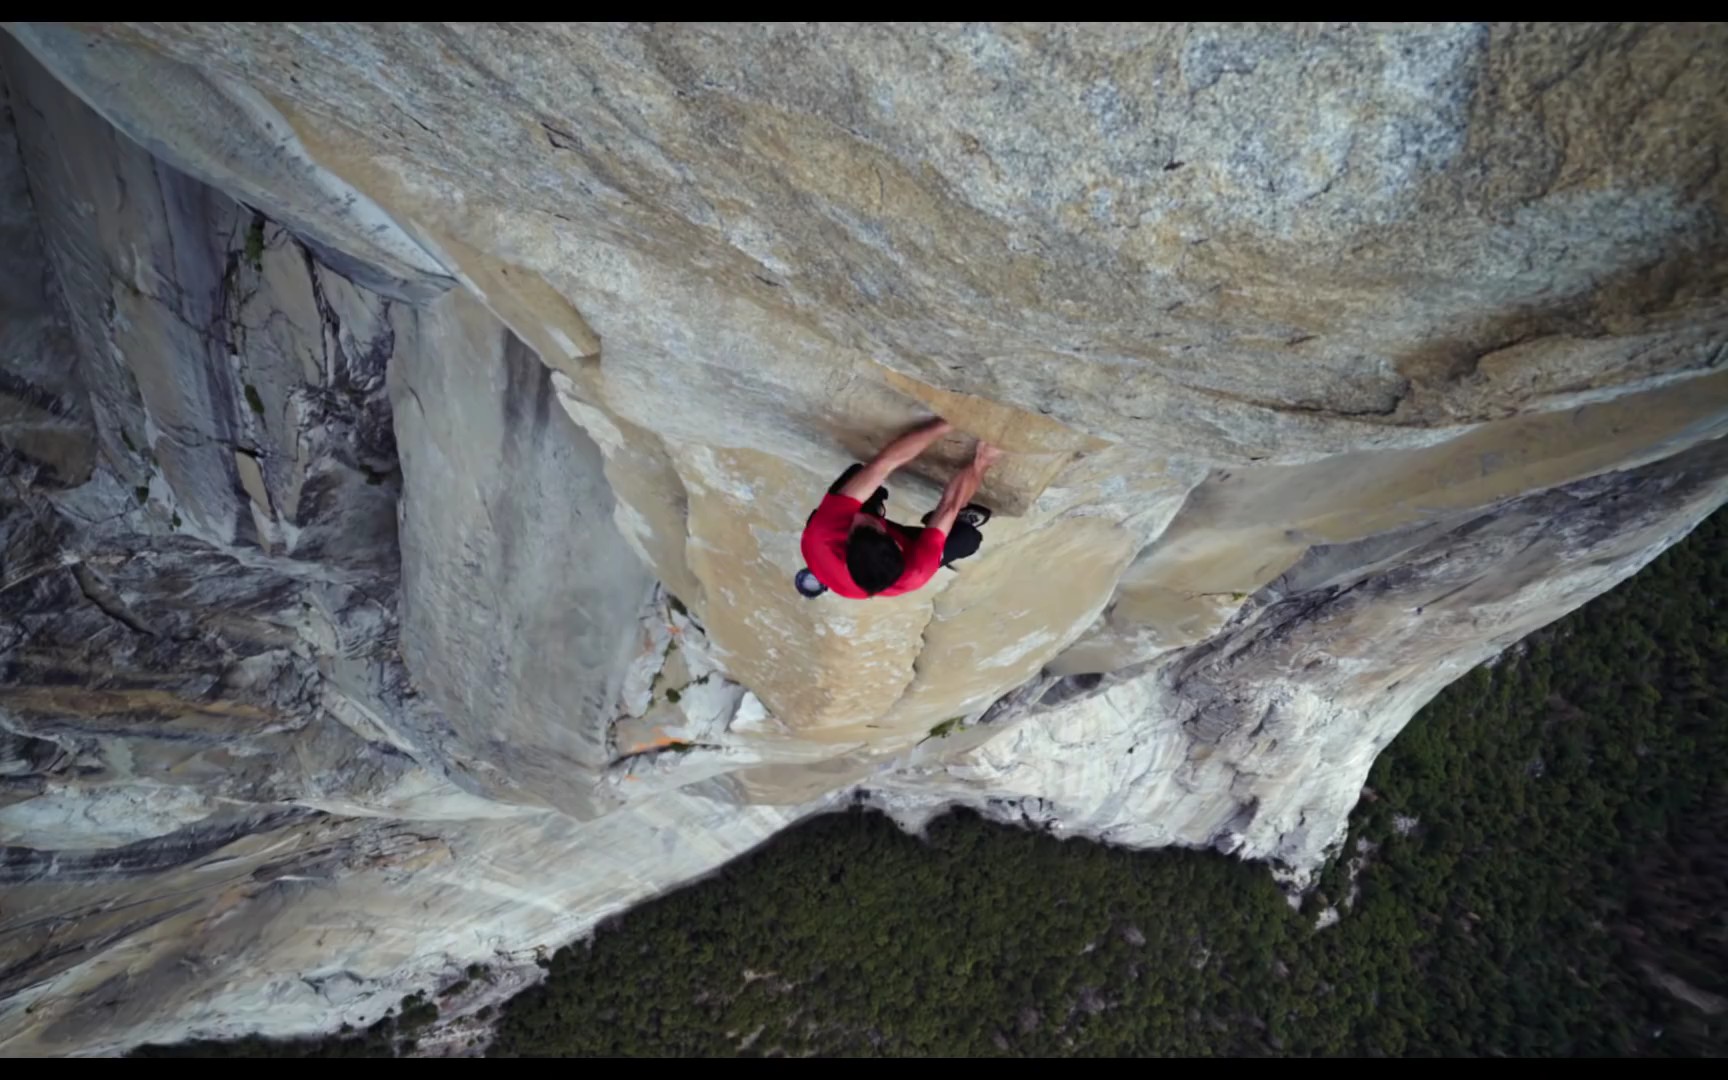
[872, 556]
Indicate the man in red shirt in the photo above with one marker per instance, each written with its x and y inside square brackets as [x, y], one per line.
[852, 548]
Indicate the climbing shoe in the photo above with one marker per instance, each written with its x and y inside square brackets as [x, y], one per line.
[878, 504]
[974, 515]
[971, 514]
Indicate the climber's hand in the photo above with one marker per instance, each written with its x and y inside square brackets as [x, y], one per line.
[962, 486]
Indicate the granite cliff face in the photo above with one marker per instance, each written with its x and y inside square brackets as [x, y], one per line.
[405, 434]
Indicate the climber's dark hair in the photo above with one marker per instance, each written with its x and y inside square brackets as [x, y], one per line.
[874, 560]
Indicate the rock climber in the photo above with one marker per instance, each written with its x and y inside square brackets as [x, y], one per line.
[851, 547]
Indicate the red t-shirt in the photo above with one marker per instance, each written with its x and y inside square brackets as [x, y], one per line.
[824, 548]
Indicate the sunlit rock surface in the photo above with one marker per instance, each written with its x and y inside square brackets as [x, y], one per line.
[407, 431]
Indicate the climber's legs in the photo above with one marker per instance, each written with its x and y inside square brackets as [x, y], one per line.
[965, 538]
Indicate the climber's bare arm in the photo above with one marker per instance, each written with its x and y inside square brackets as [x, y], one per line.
[897, 453]
[962, 487]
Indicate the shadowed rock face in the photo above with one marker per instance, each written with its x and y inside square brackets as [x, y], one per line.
[407, 432]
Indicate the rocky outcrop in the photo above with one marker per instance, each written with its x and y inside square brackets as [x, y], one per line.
[408, 430]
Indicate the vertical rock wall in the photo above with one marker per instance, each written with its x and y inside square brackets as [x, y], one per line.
[407, 446]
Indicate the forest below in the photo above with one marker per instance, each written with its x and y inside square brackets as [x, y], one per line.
[1537, 867]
